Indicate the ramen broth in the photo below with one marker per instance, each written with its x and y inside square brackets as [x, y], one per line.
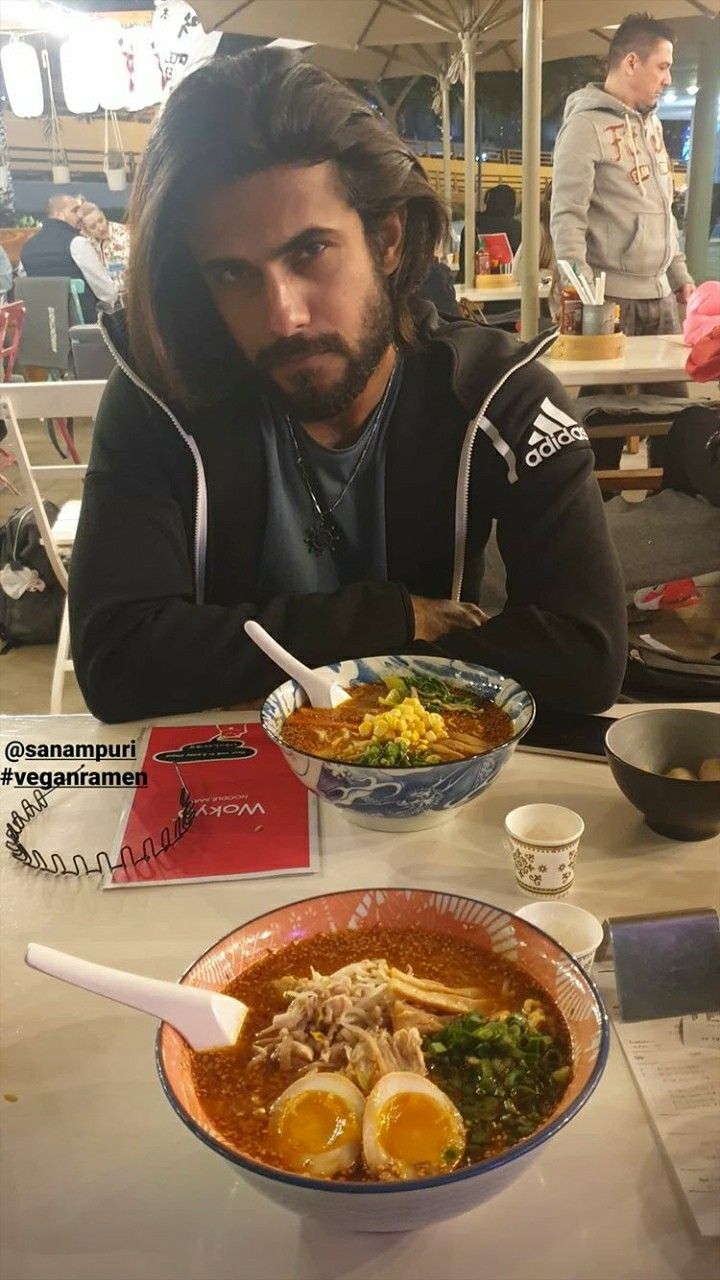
[237, 1093]
[372, 727]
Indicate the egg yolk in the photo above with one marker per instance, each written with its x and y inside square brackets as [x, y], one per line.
[312, 1123]
[414, 1129]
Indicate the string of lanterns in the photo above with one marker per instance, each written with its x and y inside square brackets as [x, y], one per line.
[108, 67]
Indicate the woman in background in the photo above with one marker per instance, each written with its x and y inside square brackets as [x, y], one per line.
[110, 239]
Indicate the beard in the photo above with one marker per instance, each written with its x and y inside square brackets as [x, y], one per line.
[311, 401]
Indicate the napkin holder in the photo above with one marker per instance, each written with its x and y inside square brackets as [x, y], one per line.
[588, 346]
[666, 964]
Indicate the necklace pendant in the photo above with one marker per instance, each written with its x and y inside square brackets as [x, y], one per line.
[322, 535]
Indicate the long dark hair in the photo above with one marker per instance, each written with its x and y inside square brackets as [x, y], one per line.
[232, 118]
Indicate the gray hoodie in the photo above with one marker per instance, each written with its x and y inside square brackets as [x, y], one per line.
[612, 197]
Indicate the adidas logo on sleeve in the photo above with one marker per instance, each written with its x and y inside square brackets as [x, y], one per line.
[552, 430]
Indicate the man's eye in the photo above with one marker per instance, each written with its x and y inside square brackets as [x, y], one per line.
[311, 251]
[229, 275]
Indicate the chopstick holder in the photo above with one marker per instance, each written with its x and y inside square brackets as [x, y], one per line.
[667, 964]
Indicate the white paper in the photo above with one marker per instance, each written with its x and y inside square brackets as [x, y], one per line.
[676, 1065]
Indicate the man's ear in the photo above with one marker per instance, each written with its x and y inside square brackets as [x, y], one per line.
[390, 236]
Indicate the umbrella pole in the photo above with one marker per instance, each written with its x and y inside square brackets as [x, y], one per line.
[468, 47]
[447, 179]
[532, 23]
[702, 158]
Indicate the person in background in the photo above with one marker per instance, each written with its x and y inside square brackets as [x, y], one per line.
[292, 435]
[546, 257]
[110, 239]
[59, 250]
[437, 288]
[498, 216]
[613, 194]
[613, 187]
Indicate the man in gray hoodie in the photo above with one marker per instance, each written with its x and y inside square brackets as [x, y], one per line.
[612, 182]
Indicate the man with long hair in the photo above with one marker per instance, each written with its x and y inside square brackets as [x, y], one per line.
[293, 435]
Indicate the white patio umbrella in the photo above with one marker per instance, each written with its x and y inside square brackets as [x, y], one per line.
[493, 34]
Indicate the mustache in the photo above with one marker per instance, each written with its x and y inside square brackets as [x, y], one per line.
[285, 349]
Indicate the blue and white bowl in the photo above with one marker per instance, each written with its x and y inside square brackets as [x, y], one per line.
[401, 799]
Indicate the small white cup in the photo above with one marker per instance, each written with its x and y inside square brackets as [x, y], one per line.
[544, 841]
[576, 930]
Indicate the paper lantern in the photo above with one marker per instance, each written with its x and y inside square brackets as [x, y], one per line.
[79, 73]
[106, 38]
[23, 82]
[146, 78]
[180, 40]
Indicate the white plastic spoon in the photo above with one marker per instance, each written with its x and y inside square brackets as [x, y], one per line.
[322, 690]
[206, 1019]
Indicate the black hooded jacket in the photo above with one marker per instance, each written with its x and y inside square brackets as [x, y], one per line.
[164, 569]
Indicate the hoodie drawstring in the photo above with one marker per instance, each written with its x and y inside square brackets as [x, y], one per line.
[631, 139]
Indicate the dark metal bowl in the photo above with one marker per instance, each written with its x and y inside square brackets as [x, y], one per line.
[642, 747]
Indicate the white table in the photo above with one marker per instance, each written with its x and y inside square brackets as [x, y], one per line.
[645, 360]
[508, 293]
[102, 1182]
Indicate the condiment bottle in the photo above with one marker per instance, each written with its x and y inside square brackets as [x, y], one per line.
[570, 310]
[482, 259]
[617, 327]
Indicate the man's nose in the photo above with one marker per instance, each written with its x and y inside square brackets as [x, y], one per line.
[287, 308]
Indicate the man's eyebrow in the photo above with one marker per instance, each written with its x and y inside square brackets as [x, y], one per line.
[290, 246]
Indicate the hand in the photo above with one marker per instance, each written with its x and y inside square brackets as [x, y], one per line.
[683, 294]
[434, 618]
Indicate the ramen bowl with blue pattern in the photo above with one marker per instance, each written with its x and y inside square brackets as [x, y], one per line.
[402, 799]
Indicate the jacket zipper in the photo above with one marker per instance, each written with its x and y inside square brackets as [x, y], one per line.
[462, 491]
[200, 485]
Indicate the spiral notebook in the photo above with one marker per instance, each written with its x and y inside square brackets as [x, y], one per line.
[252, 815]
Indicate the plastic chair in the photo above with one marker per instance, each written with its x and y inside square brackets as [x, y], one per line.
[12, 319]
[42, 400]
[91, 357]
[14, 314]
[51, 302]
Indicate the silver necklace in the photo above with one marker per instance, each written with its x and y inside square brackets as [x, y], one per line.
[323, 534]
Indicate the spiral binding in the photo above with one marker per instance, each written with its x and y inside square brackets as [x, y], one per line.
[57, 866]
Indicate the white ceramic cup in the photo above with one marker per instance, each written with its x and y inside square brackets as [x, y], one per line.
[576, 930]
[543, 840]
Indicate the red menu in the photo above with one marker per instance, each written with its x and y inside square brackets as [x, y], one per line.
[253, 817]
[498, 247]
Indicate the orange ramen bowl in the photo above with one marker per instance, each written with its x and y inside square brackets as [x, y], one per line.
[396, 1206]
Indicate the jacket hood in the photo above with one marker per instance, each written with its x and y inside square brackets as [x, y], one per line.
[594, 98]
[480, 355]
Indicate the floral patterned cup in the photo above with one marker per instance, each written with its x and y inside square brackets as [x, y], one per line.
[543, 840]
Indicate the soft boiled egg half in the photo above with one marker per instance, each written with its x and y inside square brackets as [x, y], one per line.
[316, 1125]
[411, 1128]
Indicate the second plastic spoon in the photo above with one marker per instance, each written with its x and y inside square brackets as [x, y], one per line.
[322, 690]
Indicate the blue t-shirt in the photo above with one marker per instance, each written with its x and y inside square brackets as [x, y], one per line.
[287, 566]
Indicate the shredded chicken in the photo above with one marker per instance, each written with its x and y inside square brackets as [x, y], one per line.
[377, 1053]
[407, 1015]
[324, 1015]
[367, 1018]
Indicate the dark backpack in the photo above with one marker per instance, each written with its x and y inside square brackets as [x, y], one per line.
[34, 618]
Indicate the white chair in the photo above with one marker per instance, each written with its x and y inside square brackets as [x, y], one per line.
[25, 400]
